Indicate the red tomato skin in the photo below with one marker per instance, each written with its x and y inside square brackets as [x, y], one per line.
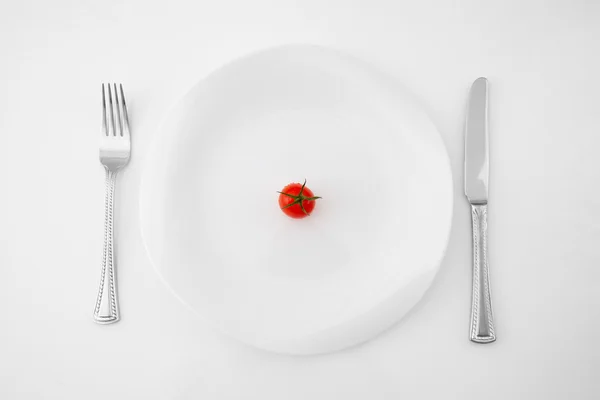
[295, 211]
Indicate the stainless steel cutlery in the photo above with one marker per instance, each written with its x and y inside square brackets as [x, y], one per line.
[115, 150]
[476, 190]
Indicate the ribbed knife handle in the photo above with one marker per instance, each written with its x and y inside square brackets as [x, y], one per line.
[482, 319]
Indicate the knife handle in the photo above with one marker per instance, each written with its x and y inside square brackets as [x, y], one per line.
[482, 320]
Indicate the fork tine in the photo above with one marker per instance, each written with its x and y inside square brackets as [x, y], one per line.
[124, 113]
[104, 127]
[111, 123]
[118, 122]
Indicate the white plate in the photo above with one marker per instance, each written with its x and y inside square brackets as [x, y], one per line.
[209, 211]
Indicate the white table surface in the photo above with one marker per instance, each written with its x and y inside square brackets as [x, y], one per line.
[542, 59]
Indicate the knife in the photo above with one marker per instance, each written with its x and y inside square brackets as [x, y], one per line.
[476, 190]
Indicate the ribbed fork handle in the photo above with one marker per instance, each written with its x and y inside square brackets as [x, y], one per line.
[107, 307]
[482, 319]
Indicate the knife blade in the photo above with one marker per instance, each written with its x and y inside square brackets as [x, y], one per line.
[476, 144]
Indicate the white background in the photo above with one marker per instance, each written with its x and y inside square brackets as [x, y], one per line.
[542, 59]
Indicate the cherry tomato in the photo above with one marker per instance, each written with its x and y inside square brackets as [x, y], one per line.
[297, 201]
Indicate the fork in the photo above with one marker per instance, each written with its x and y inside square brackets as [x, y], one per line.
[115, 151]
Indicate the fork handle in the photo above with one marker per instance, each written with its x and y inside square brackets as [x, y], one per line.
[107, 307]
[482, 319]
